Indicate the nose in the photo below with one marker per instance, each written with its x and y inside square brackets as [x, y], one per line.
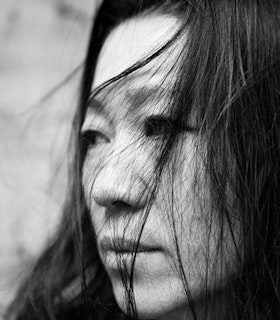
[122, 181]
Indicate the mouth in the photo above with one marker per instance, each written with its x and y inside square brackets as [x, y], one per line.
[122, 246]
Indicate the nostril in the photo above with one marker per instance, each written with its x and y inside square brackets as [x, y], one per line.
[121, 205]
[117, 194]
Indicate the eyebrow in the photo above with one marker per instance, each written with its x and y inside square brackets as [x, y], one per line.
[98, 107]
[136, 97]
[96, 104]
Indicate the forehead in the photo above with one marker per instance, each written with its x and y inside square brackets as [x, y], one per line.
[132, 41]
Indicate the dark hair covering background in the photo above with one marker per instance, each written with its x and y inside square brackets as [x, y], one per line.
[230, 73]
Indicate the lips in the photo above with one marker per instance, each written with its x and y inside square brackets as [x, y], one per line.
[124, 246]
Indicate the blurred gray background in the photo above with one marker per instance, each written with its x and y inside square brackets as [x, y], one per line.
[42, 42]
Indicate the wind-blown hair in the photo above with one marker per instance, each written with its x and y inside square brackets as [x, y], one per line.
[228, 74]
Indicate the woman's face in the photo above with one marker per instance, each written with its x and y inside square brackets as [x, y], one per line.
[124, 124]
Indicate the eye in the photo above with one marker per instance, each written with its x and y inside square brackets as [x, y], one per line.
[157, 126]
[93, 138]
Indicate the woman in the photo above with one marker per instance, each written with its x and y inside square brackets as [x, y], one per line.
[173, 206]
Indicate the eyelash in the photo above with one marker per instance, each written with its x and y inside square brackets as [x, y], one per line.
[91, 138]
[153, 127]
[159, 126]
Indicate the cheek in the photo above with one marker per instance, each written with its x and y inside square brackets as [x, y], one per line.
[88, 178]
[91, 167]
[183, 198]
[89, 173]
[205, 243]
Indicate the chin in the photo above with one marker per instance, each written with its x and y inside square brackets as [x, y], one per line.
[152, 300]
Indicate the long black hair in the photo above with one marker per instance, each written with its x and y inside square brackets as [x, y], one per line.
[229, 73]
